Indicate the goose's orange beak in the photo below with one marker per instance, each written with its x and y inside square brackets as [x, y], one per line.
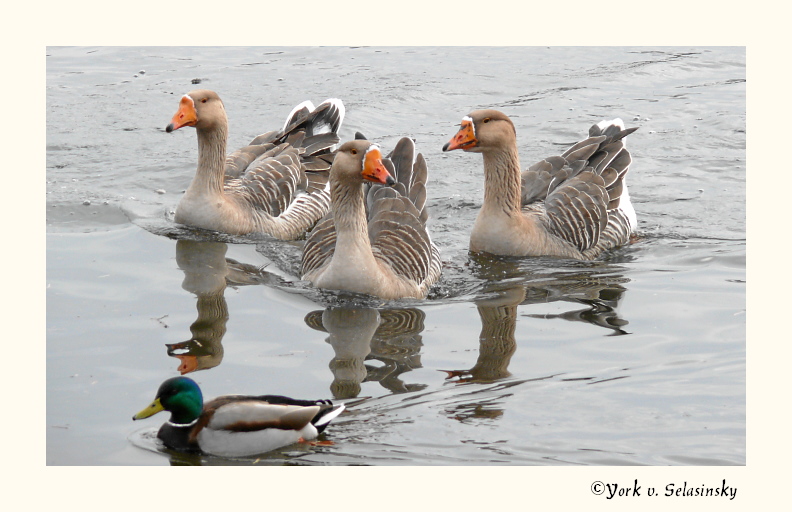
[185, 116]
[374, 169]
[465, 137]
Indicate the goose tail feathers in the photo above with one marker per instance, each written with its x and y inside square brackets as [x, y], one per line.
[326, 118]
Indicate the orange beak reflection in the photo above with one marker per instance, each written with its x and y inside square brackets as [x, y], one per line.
[185, 116]
[188, 364]
[374, 169]
[464, 139]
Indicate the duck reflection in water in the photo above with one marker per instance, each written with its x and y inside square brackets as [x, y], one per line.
[207, 273]
[360, 334]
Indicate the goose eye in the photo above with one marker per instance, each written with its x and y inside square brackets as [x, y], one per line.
[354, 151]
[203, 100]
[486, 120]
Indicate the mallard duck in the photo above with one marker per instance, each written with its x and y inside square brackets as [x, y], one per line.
[374, 241]
[276, 185]
[235, 425]
[573, 206]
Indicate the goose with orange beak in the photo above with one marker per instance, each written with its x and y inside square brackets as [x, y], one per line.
[575, 205]
[276, 185]
[374, 241]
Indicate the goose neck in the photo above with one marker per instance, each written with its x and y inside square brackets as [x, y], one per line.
[502, 180]
[211, 158]
[349, 210]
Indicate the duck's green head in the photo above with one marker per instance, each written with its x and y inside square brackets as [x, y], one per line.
[181, 396]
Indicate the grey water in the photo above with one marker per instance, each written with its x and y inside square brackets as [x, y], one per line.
[638, 358]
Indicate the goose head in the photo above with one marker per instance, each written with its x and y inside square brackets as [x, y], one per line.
[359, 160]
[482, 131]
[202, 109]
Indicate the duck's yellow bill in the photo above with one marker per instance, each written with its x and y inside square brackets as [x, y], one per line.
[152, 409]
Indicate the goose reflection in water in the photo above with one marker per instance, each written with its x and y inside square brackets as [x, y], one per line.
[599, 286]
[360, 334]
[508, 285]
[496, 341]
[207, 273]
[498, 310]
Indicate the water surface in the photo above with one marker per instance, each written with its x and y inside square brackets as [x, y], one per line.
[638, 358]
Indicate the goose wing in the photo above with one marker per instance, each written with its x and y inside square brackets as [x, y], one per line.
[398, 215]
[320, 245]
[576, 210]
[580, 190]
[285, 173]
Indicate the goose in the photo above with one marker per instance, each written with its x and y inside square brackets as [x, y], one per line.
[374, 240]
[276, 185]
[235, 425]
[575, 205]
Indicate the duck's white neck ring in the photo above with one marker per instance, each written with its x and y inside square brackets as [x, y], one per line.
[182, 425]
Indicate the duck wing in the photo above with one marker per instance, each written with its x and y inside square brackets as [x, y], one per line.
[239, 413]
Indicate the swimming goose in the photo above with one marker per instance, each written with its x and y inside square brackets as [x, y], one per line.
[374, 240]
[276, 185]
[235, 425]
[573, 206]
